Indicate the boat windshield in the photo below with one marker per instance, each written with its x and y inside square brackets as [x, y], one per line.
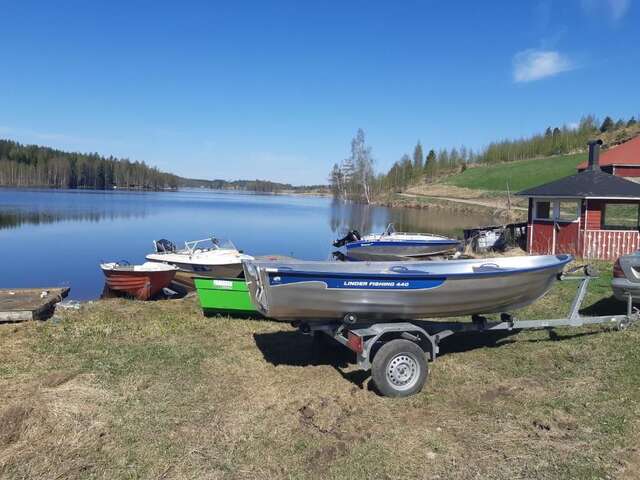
[390, 230]
[211, 243]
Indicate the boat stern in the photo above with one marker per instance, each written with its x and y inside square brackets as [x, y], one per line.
[256, 277]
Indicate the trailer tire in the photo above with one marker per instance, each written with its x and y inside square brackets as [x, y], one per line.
[399, 368]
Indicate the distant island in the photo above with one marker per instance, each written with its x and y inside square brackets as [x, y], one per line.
[40, 166]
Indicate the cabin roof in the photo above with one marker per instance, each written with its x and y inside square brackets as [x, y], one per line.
[587, 184]
[627, 153]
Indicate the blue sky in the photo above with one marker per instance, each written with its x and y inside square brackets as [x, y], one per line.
[276, 90]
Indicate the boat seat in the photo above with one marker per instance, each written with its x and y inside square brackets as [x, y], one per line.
[164, 246]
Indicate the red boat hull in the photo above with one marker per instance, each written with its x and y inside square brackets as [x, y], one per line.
[141, 285]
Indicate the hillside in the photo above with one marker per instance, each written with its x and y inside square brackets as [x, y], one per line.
[518, 175]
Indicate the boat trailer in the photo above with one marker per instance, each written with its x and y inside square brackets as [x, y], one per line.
[397, 352]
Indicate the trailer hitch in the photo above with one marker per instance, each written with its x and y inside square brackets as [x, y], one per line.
[588, 271]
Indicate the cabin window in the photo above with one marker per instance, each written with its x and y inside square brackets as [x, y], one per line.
[620, 216]
[568, 210]
[543, 210]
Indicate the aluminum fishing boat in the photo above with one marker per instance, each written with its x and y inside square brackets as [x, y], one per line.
[392, 245]
[209, 257]
[321, 291]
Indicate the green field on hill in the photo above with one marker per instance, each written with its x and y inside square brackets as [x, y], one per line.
[520, 175]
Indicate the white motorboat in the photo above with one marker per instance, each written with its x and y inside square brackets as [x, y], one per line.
[208, 257]
[392, 245]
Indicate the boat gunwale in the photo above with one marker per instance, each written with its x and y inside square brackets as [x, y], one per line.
[416, 275]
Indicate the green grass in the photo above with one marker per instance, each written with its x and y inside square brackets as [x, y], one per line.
[124, 389]
[520, 175]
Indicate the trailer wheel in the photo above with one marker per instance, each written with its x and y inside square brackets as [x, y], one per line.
[399, 368]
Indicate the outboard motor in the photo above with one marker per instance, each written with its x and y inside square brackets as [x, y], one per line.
[352, 236]
[164, 246]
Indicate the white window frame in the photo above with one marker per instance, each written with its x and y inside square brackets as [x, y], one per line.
[554, 209]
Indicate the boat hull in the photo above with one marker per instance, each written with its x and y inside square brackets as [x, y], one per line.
[291, 293]
[187, 271]
[141, 285]
[389, 250]
[224, 296]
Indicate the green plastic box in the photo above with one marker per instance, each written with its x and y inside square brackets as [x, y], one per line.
[227, 296]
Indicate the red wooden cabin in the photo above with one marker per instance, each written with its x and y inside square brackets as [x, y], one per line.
[592, 214]
[622, 160]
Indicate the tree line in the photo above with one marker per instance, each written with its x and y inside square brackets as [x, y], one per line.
[36, 166]
[354, 179]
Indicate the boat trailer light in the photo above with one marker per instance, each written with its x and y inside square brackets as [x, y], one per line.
[355, 342]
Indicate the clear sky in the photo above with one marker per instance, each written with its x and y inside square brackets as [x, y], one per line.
[276, 89]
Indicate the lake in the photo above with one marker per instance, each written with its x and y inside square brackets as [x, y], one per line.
[59, 237]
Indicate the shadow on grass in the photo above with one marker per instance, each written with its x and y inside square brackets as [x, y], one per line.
[298, 350]
[605, 306]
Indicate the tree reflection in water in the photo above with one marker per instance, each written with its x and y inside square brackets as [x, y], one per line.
[347, 216]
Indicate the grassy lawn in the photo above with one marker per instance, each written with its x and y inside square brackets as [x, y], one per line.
[520, 175]
[125, 389]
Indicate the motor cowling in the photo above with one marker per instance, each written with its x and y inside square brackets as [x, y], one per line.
[352, 236]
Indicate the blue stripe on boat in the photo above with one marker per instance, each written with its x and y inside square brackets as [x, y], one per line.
[400, 243]
[371, 282]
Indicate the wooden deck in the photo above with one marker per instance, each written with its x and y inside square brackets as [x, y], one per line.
[19, 304]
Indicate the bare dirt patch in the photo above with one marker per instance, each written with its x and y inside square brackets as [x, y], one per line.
[11, 423]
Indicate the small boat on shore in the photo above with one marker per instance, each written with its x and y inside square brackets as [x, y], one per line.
[141, 281]
[321, 291]
[392, 245]
[209, 257]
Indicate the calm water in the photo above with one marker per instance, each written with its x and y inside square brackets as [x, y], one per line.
[58, 237]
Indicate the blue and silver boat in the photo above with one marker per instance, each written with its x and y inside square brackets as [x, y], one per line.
[321, 291]
[392, 245]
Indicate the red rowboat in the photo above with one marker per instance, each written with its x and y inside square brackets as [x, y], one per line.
[142, 281]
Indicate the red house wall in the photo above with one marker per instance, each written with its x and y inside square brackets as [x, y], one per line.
[627, 171]
[566, 237]
[541, 237]
[593, 215]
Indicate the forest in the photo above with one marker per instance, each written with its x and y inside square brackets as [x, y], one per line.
[354, 178]
[36, 166]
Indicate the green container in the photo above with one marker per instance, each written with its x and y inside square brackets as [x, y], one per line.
[224, 296]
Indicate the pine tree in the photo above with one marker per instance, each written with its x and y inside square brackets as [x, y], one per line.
[607, 125]
[632, 121]
[430, 165]
[418, 158]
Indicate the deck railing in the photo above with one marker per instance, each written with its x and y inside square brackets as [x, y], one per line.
[610, 244]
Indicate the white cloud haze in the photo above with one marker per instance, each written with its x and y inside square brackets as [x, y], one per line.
[616, 9]
[533, 64]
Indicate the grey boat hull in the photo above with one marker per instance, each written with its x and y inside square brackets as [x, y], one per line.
[391, 291]
[400, 252]
[381, 250]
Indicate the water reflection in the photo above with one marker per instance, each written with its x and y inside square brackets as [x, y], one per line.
[345, 216]
[94, 226]
[11, 219]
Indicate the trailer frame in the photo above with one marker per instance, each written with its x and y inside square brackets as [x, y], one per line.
[366, 338]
